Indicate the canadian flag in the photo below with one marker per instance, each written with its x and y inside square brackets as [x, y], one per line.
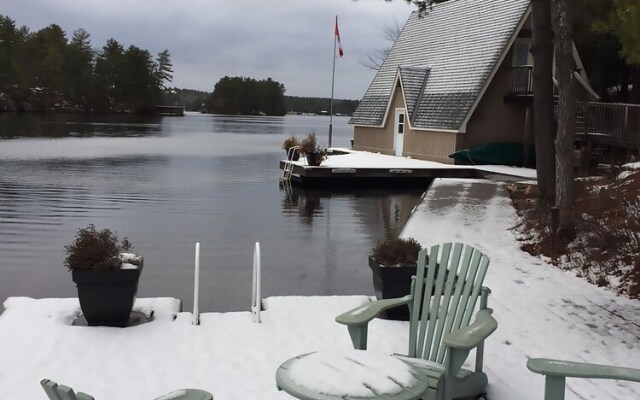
[340, 52]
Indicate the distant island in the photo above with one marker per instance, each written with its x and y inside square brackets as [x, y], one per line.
[197, 100]
[247, 96]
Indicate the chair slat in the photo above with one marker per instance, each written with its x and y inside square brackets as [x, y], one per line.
[444, 309]
[475, 286]
[424, 299]
[436, 299]
[416, 292]
[66, 393]
[461, 272]
[51, 389]
[468, 288]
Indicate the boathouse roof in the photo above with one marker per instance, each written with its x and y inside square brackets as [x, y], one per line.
[443, 61]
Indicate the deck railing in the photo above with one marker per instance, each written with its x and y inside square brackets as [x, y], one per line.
[618, 121]
[521, 80]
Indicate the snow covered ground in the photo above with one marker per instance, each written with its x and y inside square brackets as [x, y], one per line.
[541, 311]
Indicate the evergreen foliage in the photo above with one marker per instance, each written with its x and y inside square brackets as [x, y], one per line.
[44, 71]
[247, 96]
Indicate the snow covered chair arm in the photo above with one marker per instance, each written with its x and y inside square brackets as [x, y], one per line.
[61, 392]
[357, 320]
[556, 372]
[472, 335]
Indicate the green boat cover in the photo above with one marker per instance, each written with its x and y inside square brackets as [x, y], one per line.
[497, 153]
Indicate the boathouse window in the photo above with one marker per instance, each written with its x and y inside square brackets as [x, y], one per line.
[400, 123]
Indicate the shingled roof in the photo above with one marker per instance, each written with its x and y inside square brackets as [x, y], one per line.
[454, 48]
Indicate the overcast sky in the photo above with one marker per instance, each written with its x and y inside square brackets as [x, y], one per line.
[288, 40]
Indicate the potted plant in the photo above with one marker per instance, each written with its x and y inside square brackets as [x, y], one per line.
[106, 274]
[309, 147]
[289, 143]
[393, 263]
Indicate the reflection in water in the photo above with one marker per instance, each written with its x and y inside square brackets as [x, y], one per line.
[383, 212]
[238, 124]
[77, 125]
[189, 179]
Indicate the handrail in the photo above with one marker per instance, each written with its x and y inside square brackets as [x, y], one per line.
[196, 287]
[256, 301]
[287, 171]
[521, 79]
[615, 120]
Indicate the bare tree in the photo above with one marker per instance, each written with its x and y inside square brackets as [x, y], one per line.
[390, 33]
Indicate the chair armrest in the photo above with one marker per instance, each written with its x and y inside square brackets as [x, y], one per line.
[472, 335]
[365, 313]
[571, 369]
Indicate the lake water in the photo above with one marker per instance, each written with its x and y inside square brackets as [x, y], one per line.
[167, 182]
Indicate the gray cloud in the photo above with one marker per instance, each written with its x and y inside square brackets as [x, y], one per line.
[288, 40]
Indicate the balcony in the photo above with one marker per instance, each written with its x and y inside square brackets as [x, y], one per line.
[521, 81]
[609, 123]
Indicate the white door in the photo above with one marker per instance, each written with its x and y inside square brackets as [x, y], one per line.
[398, 138]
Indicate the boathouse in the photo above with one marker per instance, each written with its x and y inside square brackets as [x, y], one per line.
[457, 77]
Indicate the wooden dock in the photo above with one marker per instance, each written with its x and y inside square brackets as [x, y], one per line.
[305, 175]
[175, 111]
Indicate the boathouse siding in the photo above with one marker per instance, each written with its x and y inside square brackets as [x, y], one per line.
[421, 144]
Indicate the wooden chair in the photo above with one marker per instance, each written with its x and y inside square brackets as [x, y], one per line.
[556, 372]
[442, 300]
[61, 392]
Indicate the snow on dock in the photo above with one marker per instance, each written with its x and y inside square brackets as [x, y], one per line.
[346, 164]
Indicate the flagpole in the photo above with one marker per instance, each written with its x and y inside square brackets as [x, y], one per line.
[333, 77]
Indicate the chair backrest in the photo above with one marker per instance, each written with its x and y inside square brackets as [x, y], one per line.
[61, 392]
[452, 283]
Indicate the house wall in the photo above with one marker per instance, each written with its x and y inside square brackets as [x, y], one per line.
[495, 120]
[424, 145]
[430, 145]
[379, 140]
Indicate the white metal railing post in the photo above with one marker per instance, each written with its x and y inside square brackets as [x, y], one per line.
[256, 302]
[196, 287]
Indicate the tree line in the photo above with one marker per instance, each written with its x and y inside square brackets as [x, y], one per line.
[44, 71]
[197, 100]
[318, 105]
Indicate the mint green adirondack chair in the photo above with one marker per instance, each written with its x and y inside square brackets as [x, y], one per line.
[556, 372]
[61, 392]
[441, 334]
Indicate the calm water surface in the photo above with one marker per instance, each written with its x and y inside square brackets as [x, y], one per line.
[167, 182]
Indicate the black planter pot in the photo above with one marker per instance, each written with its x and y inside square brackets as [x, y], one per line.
[312, 159]
[392, 282]
[107, 296]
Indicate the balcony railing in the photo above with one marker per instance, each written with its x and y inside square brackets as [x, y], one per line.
[521, 80]
[617, 121]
